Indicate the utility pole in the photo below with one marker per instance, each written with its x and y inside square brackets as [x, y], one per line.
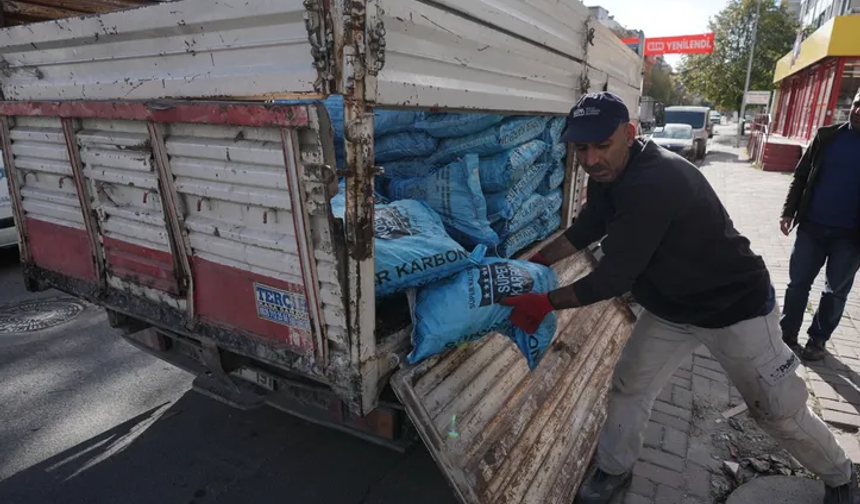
[749, 71]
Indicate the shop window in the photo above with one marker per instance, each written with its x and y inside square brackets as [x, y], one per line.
[847, 89]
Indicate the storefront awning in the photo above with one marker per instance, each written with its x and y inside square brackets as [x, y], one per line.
[838, 37]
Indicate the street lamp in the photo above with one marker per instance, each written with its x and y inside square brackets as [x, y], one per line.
[749, 71]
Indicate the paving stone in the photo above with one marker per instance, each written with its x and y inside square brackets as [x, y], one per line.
[654, 434]
[684, 373]
[662, 459]
[698, 480]
[717, 376]
[823, 390]
[671, 409]
[839, 418]
[684, 383]
[671, 421]
[701, 387]
[675, 441]
[666, 393]
[632, 498]
[844, 407]
[708, 363]
[682, 397]
[668, 495]
[659, 475]
[642, 486]
[687, 363]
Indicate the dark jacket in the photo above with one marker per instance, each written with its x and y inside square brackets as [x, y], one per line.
[670, 242]
[808, 168]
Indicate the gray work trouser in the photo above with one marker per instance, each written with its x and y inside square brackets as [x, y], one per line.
[759, 364]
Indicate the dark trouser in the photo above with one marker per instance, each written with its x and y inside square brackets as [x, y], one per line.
[816, 244]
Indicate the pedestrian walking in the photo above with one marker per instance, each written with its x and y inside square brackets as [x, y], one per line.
[824, 203]
[668, 239]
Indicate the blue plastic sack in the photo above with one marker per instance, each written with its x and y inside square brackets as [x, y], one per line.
[506, 135]
[407, 168]
[408, 144]
[553, 178]
[550, 222]
[503, 205]
[552, 133]
[554, 201]
[546, 223]
[411, 246]
[454, 192]
[386, 122]
[499, 172]
[528, 213]
[521, 239]
[450, 125]
[466, 307]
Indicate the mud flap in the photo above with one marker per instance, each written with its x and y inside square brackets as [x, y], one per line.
[502, 434]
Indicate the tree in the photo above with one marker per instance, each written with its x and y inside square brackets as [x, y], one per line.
[719, 77]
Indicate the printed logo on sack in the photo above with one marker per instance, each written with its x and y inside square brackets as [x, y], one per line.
[500, 280]
[282, 307]
[390, 224]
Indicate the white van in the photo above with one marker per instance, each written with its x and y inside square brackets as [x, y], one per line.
[8, 234]
[698, 118]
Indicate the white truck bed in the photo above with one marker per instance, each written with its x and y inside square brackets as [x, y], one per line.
[148, 174]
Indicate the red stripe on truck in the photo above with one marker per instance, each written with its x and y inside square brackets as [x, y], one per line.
[61, 249]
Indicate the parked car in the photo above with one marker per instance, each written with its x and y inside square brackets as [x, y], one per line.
[697, 118]
[715, 118]
[677, 138]
[8, 233]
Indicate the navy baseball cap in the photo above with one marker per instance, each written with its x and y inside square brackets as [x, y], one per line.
[594, 118]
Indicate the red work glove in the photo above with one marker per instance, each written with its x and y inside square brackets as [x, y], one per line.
[529, 310]
[539, 259]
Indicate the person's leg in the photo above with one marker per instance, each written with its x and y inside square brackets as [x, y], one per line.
[843, 260]
[763, 369]
[807, 258]
[652, 354]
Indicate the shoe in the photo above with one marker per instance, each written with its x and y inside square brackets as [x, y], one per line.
[814, 350]
[791, 341]
[601, 487]
[845, 494]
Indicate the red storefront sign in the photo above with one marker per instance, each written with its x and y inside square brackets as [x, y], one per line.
[683, 44]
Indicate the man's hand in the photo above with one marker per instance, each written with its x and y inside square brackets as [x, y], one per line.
[785, 225]
[529, 310]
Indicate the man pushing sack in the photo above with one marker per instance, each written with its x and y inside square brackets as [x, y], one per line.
[669, 241]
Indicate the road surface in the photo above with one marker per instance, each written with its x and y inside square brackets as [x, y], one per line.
[86, 418]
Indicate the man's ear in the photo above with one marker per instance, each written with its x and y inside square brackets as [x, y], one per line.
[629, 133]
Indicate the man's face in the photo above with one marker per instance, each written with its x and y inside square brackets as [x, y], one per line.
[605, 161]
[855, 112]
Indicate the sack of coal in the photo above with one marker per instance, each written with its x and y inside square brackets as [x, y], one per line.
[466, 307]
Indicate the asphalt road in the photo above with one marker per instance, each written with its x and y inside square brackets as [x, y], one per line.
[86, 418]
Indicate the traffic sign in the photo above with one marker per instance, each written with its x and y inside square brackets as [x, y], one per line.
[758, 97]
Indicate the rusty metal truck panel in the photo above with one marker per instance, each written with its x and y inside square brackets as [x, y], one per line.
[175, 49]
[504, 435]
[196, 215]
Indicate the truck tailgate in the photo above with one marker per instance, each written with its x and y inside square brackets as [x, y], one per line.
[505, 435]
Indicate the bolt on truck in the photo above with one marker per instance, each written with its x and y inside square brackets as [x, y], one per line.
[154, 170]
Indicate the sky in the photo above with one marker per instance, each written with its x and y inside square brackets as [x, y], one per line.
[659, 18]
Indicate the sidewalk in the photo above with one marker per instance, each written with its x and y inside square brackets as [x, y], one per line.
[689, 440]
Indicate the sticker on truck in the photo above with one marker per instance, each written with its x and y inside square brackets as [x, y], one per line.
[282, 307]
